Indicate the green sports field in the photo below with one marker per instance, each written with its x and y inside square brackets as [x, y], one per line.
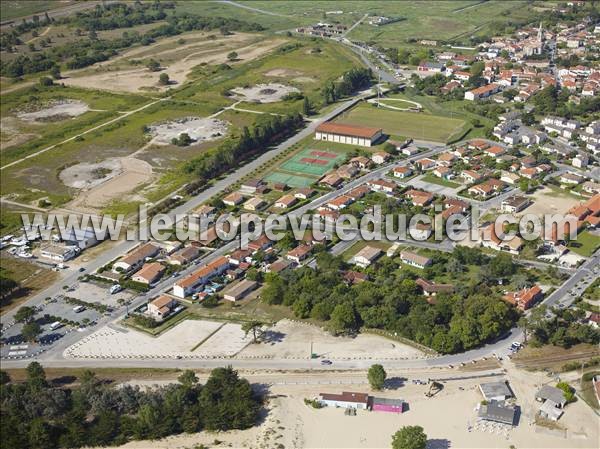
[418, 125]
[289, 179]
[312, 162]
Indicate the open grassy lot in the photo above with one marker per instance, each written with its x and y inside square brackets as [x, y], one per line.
[435, 20]
[305, 64]
[20, 137]
[11, 9]
[421, 126]
[31, 277]
[586, 244]
[39, 176]
[439, 181]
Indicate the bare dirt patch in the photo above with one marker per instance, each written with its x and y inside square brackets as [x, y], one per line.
[264, 93]
[141, 79]
[87, 175]
[199, 129]
[548, 201]
[54, 111]
[11, 135]
[288, 339]
[134, 172]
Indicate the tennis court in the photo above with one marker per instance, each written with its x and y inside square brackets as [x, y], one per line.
[290, 180]
[312, 162]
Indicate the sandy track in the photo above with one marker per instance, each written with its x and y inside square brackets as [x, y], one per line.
[134, 80]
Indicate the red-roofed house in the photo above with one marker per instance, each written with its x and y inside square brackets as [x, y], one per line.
[526, 298]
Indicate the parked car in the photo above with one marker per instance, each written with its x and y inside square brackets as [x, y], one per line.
[326, 362]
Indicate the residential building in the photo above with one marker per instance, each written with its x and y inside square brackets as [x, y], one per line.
[490, 239]
[340, 202]
[380, 185]
[345, 400]
[366, 256]
[304, 193]
[184, 256]
[201, 276]
[236, 292]
[482, 92]
[402, 172]
[381, 157]
[161, 307]
[524, 299]
[255, 204]
[233, 199]
[515, 204]
[348, 134]
[432, 289]
[299, 253]
[414, 259]
[134, 260]
[419, 197]
[149, 274]
[286, 201]
[496, 391]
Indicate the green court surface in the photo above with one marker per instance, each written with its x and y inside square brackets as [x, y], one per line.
[290, 180]
[312, 162]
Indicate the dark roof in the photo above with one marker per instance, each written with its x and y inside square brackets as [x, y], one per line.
[492, 389]
[552, 393]
[498, 412]
[387, 401]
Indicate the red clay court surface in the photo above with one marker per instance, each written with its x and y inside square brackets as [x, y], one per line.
[308, 160]
[324, 154]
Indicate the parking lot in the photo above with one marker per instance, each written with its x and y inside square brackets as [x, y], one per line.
[68, 308]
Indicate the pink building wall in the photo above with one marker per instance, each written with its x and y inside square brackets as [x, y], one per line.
[387, 408]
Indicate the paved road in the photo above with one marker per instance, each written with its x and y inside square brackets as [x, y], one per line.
[583, 276]
[220, 185]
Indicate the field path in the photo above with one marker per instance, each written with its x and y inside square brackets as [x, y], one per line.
[33, 39]
[51, 147]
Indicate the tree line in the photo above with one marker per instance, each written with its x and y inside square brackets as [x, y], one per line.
[35, 414]
[391, 300]
[267, 131]
[352, 80]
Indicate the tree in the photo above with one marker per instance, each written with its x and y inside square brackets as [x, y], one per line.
[164, 79]
[153, 65]
[30, 331]
[568, 392]
[306, 107]
[36, 376]
[7, 286]
[409, 437]
[376, 376]
[55, 72]
[4, 377]
[343, 318]
[188, 379]
[231, 401]
[24, 314]
[46, 81]
[232, 56]
[252, 326]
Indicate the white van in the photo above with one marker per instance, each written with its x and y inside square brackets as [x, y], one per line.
[115, 289]
[78, 309]
[56, 325]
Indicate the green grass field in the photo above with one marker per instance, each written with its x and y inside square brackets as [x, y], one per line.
[12, 9]
[439, 181]
[289, 179]
[586, 244]
[422, 126]
[436, 20]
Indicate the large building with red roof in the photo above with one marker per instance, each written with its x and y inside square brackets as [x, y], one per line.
[349, 134]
